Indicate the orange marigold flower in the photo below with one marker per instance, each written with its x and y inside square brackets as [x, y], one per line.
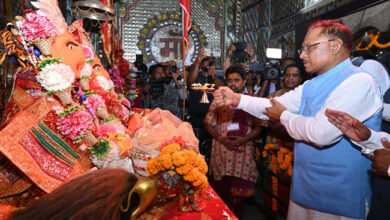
[153, 166]
[170, 149]
[202, 166]
[178, 159]
[191, 157]
[184, 170]
[166, 161]
[200, 181]
[192, 176]
[290, 170]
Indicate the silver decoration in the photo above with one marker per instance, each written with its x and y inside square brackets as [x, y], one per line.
[157, 45]
[146, 9]
[93, 9]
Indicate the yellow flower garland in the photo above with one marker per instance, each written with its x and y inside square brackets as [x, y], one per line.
[187, 163]
[282, 160]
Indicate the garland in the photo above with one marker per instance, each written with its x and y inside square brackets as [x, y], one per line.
[89, 61]
[86, 77]
[191, 166]
[281, 160]
[89, 93]
[47, 61]
[374, 42]
[110, 118]
[69, 110]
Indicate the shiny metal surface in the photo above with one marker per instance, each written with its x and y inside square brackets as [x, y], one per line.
[143, 10]
[93, 9]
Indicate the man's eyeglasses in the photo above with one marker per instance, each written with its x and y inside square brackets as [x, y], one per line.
[307, 48]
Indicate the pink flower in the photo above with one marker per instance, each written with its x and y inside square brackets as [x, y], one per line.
[96, 101]
[124, 114]
[113, 126]
[36, 27]
[75, 124]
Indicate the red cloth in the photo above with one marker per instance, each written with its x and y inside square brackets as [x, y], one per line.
[186, 5]
[215, 208]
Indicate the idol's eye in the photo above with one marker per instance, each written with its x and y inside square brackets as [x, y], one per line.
[96, 67]
[71, 45]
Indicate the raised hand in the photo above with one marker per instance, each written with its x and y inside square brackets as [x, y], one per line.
[349, 125]
[226, 97]
[230, 51]
[201, 55]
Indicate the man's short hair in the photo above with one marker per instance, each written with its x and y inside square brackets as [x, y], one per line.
[236, 69]
[289, 58]
[296, 66]
[152, 68]
[335, 28]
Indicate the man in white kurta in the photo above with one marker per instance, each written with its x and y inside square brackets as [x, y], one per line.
[326, 54]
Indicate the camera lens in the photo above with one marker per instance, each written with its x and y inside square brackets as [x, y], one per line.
[174, 69]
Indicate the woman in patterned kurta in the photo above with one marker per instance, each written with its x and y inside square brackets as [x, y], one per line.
[233, 169]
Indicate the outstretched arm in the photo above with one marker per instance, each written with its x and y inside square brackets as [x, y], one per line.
[358, 95]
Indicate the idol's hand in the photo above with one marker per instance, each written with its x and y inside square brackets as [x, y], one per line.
[226, 97]
[349, 125]
[275, 111]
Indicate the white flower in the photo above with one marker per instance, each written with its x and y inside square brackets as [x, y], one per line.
[86, 71]
[105, 83]
[55, 77]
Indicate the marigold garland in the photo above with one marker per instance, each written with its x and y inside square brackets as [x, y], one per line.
[274, 183]
[374, 42]
[281, 160]
[186, 163]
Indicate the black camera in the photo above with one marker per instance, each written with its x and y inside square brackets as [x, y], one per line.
[174, 69]
[240, 54]
[142, 69]
[272, 70]
[157, 86]
[256, 67]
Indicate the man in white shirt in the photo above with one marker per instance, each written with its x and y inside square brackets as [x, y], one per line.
[330, 178]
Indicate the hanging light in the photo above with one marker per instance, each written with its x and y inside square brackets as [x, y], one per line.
[93, 9]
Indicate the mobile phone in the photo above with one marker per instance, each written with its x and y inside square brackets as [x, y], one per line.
[208, 52]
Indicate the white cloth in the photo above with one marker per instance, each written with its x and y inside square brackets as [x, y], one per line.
[272, 88]
[256, 89]
[358, 95]
[376, 69]
[296, 211]
[386, 112]
[373, 143]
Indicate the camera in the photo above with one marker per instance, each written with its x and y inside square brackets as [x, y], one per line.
[157, 86]
[240, 54]
[174, 69]
[142, 69]
[256, 67]
[272, 70]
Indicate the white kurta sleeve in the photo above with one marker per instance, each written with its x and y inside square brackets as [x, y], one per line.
[373, 143]
[386, 112]
[358, 96]
[256, 106]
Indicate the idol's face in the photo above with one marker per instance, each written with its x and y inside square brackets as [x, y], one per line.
[67, 47]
